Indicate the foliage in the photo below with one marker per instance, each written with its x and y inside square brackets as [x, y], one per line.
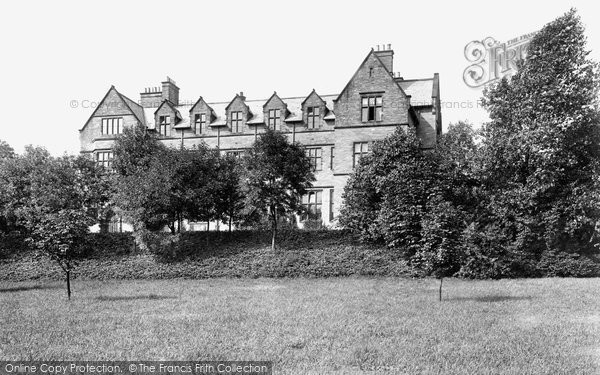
[229, 197]
[64, 195]
[540, 153]
[414, 200]
[277, 175]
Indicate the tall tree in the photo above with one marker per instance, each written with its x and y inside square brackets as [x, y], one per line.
[142, 181]
[278, 174]
[541, 150]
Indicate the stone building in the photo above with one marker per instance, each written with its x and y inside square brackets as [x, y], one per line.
[335, 129]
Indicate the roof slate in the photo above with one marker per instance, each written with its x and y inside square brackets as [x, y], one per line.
[420, 90]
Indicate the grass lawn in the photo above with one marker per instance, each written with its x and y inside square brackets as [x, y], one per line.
[338, 325]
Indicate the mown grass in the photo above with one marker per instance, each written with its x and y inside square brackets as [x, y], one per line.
[339, 325]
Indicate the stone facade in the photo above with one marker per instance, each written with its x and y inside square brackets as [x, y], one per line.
[336, 129]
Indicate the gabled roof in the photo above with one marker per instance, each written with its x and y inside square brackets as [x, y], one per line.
[128, 103]
[200, 99]
[313, 92]
[273, 97]
[234, 99]
[136, 108]
[178, 123]
[294, 108]
[372, 52]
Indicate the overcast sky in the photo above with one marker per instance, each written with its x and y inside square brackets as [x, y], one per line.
[63, 54]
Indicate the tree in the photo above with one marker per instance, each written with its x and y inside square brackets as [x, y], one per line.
[194, 183]
[142, 181]
[412, 199]
[540, 153]
[229, 196]
[7, 154]
[278, 174]
[64, 195]
[16, 173]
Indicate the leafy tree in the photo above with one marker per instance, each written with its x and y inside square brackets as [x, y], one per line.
[16, 173]
[229, 196]
[540, 153]
[6, 151]
[278, 174]
[64, 195]
[194, 183]
[409, 198]
[142, 181]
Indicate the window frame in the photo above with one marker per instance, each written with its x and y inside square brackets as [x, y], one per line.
[274, 118]
[360, 153]
[108, 125]
[316, 160]
[331, 157]
[164, 123]
[106, 159]
[313, 114]
[308, 205]
[371, 108]
[199, 122]
[237, 120]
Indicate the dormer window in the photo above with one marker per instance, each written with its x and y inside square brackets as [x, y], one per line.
[274, 118]
[313, 116]
[371, 108]
[199, 122]
[236, 122]
[164, 125]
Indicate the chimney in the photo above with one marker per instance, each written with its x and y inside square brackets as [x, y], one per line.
[386, 55]
[170, 91]
[151, 97]
[242, 96]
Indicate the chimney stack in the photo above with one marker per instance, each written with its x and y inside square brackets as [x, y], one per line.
[151, 97]
[386, 56]
[170, 91]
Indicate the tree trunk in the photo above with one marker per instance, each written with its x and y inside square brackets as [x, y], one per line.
[207, 231]
[441, 281]
[274, 229]
[230, 219]
[68, 284]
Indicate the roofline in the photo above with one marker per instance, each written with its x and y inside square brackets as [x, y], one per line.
[415, 79]
[372, 52]
[112, 87]
[123, 97]
[308, 96]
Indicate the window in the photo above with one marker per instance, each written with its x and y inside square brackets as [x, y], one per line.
[104, 158]
[164, 125]
[360, 149]
[112, 125]
[115, 225]
[236, 122]
[238, 154]
[371, 108]
[331, 158]
[199, 122]
[274, 118]
[312, 203]
[316, 158]
[331, 204]
[313, 117]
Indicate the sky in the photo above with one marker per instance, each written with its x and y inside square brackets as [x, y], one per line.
[61, 57]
